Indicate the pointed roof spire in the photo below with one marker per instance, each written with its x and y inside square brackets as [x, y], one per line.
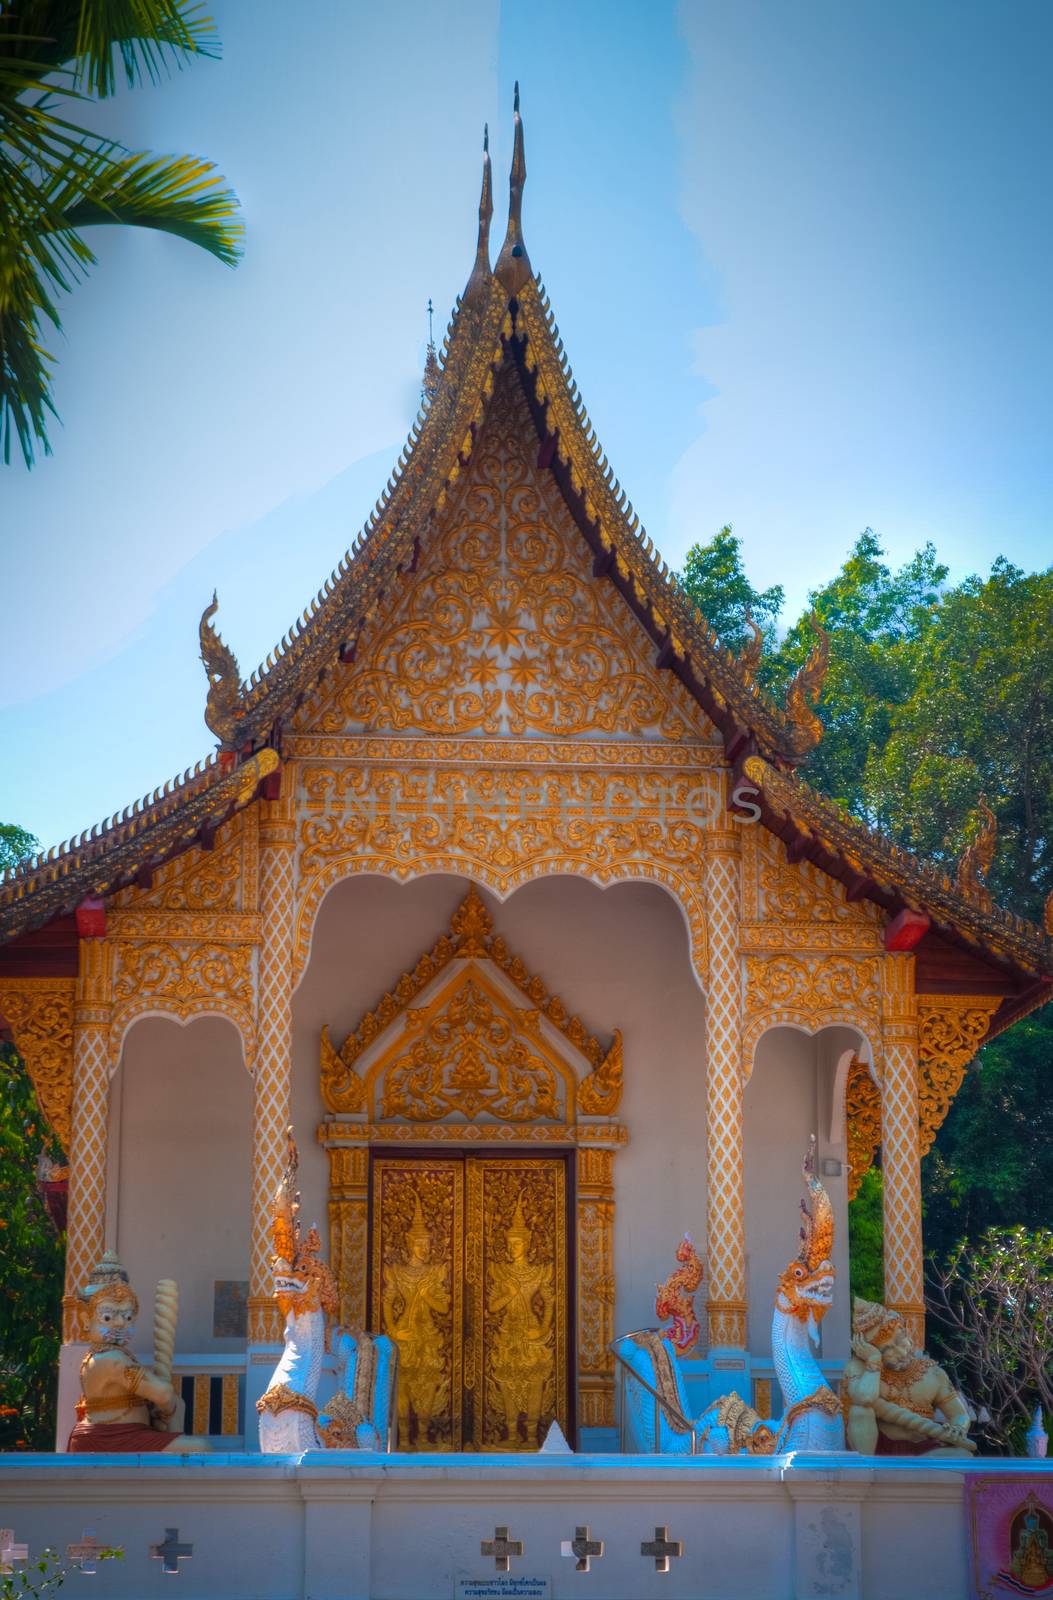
[513, 268]
[478, 283]
[430, 381]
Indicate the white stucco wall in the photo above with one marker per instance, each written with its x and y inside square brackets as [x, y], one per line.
[181, 1168]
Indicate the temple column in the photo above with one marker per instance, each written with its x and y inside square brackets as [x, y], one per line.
[725, 1222]
[900, 1145]
[89, 1124]
[273, 1064]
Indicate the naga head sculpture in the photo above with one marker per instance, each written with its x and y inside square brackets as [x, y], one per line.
[806, 1288]
[302, 1281]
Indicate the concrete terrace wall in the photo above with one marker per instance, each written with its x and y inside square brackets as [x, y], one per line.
[339, 1526]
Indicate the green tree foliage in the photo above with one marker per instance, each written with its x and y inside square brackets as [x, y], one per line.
[978, 720]
[715, 579]
[15, 845]
[866, 1266]
[993, 1302]
[875, 617]
[57, 177]
[992, 1163]
[31, 1266]
[934, 696]
[31, 1253]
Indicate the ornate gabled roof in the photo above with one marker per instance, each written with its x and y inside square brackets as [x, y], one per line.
[112, 854]
[814, 827]
[504, 316]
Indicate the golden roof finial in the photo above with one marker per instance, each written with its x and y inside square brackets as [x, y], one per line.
[978, 856]
[805, 688]
[223, 708]
[752, 651]
[478, 285]
[513, 268]
[430, 382]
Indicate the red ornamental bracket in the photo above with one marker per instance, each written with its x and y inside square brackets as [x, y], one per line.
[91, 918]
[906, 930]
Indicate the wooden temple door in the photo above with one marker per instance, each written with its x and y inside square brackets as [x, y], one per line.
[469, 1275]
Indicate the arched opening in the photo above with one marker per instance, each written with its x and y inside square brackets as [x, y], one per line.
[180, 1175]
[618, 958]
[793, 1093]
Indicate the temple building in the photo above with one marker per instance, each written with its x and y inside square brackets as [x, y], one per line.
[503, 889]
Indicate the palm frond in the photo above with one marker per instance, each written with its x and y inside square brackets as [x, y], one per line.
[176, 194]
[149, 36]
[144, 37]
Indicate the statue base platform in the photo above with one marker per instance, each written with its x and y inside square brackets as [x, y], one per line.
[350, 1526]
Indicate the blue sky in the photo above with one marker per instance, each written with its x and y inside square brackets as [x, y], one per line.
[799, 255]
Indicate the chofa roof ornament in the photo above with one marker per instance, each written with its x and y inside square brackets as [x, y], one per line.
[805, 688]
[223, 708]
[513, 268]
[477, 289]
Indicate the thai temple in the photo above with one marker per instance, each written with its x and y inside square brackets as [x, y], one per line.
[443, 1063]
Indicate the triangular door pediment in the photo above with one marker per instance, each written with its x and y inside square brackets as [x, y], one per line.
[502, 628]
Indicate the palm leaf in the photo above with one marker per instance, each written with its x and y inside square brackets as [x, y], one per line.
[46, 254]
[176, 194]
[150, 35]
[146, 37]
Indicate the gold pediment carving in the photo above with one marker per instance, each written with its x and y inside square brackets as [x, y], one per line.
[501, 628]
[469, 1048]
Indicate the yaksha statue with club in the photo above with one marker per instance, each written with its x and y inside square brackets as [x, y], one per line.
[125, 1406]
[898, 1401]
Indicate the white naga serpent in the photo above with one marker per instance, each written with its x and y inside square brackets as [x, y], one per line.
[306, 1292]
[803, 1295]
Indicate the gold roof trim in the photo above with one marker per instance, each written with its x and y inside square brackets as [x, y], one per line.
[972, 915]
[688, 636]
[440, 442]
[104, 858]
[471, 933]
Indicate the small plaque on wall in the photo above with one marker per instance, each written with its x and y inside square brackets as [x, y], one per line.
[514, 1586]
[230, 1308]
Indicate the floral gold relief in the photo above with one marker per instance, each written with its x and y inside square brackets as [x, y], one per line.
[502, 629]
[516, 1302]
[39, 1013]
[470, 1278]
[469, 1056]
[418, 1293]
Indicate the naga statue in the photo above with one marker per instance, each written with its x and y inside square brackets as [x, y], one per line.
[803, 1296]
[675, 1298]
[125, 1406]
[729, 1426]
[892, 1392]
[306, 1292]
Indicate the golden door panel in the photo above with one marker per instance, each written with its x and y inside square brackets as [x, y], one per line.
[417, 1278]
[515, 1348]
[470, 1279]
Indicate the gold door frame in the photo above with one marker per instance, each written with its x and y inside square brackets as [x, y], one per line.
[471, 1274]
[355, 1095]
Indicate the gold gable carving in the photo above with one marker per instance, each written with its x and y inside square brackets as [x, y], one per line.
[470, 935]
[951, 1028]
[466, 1054]
[503, 629]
